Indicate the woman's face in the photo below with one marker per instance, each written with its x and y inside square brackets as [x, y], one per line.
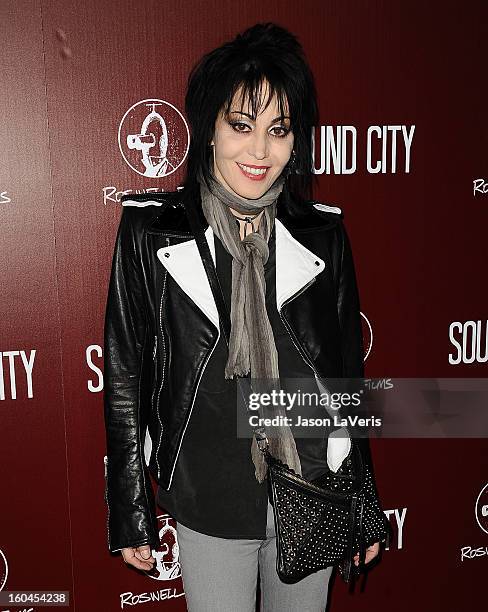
[250, 153]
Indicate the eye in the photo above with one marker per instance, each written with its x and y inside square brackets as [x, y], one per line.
[236, 126]
[284, 131]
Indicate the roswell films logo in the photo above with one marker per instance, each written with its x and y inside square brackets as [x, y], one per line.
[481, 515]
[481, 509]
[153, 138]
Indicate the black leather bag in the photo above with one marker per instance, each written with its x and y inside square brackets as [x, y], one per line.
[318, 523]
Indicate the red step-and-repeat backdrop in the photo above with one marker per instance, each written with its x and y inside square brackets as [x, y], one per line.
[402, 149]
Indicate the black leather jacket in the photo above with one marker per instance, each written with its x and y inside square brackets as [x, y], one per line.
[161, 325]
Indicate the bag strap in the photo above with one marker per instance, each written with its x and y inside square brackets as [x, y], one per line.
[243, 382]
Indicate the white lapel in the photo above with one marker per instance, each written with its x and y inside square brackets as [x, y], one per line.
[185, 265]
[295, 267]
[295, 264]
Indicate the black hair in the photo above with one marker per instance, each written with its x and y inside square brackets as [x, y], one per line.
[263, 52]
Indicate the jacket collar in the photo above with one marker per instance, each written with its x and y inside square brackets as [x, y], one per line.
[296, 266]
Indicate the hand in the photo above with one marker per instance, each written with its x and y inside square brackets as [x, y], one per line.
[371, 552]
[139, 557]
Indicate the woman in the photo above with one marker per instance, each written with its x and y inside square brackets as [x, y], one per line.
[287, 274]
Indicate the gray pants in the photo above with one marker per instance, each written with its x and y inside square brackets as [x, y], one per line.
[220, 575]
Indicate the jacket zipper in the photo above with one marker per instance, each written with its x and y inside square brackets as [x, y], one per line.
[168, 236]
[292, 335]
[155, 361]
[105, 462]
[191, 408]
[304, 355]
[164, 367]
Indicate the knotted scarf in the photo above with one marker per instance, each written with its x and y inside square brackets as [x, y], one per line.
[252, 349]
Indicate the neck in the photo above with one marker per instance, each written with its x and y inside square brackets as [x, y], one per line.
[246, 227]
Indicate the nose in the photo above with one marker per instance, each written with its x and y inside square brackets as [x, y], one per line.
[259, 145]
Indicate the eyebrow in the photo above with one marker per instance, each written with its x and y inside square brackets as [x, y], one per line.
[250, 116]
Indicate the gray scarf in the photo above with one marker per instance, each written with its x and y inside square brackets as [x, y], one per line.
[252, 346]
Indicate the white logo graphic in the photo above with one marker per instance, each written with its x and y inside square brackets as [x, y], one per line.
[481, 509]
[481, 514]
[153, 143]
[3, 569]
[167, 566]
[367, 336]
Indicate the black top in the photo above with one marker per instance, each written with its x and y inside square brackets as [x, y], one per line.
[214, 489]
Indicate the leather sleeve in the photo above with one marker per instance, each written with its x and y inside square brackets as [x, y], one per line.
[131, 516]
[348, 307]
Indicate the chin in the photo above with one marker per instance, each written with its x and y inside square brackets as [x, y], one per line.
[251, 189]
[252, 193]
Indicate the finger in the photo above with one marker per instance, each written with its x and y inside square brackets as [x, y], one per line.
[143, 553]
[371, 553]
[132, 558]
[142, 565]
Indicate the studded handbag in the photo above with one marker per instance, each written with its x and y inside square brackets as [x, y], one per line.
[324, 521]
[318, 523]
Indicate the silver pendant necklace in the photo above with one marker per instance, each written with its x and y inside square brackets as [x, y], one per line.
[248, 220]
